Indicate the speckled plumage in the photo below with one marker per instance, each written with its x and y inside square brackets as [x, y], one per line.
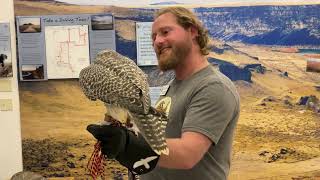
[121, 84]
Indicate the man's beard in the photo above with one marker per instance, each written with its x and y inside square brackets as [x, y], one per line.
[178, 52]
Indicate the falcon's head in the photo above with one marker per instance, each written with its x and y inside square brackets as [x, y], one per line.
[86, 81]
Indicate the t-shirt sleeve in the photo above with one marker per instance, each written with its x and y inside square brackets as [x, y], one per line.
[210, 110]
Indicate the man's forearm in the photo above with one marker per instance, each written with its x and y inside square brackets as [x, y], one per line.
[185, 152]
[177, 158]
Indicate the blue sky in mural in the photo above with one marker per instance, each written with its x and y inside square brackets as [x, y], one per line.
[178, 2]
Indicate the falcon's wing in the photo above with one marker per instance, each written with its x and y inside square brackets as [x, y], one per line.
[127, 70]
[97, 82]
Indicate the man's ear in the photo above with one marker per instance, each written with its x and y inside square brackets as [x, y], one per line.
[194, 32]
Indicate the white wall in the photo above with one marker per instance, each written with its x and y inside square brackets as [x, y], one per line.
[10, 132]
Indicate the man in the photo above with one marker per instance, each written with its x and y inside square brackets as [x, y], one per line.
[201, 103]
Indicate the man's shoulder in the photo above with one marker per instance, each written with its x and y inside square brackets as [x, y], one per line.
[216, 80]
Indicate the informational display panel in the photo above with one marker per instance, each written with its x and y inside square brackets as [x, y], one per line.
[5, 51]
[145, 53]
[59, 46]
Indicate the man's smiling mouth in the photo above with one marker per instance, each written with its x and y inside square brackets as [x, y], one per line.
[162, 50]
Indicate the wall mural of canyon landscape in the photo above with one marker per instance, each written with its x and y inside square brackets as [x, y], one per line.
[271, 52]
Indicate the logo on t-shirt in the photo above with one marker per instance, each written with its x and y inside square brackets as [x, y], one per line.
[164, 105]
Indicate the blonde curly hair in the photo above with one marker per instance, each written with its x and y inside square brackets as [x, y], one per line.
[186, 19]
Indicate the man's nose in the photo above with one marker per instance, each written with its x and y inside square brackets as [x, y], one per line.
[158, 40]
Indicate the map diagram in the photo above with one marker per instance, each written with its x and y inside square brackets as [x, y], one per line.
[67, 50]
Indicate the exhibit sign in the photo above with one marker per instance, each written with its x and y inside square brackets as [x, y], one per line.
[145, 52]
[59, 46]
[5, 51]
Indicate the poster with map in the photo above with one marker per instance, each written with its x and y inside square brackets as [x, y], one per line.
[67, 50]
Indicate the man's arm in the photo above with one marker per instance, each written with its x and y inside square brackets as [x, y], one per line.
[185, 152]
[136, 154]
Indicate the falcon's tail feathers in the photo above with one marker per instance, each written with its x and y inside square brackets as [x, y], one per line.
[152, 126]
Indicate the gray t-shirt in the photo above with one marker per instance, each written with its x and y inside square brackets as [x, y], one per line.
[207, 103]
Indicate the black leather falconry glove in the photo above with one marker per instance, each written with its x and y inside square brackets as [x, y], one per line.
[130, 150]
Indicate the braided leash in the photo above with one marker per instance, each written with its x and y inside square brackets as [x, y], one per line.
[96, 162]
